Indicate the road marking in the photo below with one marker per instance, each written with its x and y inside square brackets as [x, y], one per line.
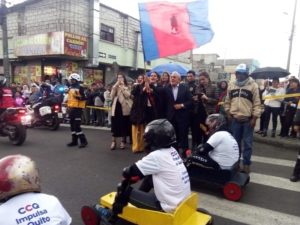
[273, 181]
[273, 161]
[244, 213]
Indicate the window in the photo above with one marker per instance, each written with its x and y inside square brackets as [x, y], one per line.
[107, 33]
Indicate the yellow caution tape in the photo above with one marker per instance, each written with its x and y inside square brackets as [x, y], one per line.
[96, 107]
[281, 96]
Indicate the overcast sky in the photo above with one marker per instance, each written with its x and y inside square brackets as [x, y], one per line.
[258, 29]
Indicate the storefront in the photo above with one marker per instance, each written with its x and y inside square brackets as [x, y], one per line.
[53, 54]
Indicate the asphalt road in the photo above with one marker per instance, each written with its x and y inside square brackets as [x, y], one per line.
[80, 176]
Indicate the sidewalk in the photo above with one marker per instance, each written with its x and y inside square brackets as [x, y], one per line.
[286, 142]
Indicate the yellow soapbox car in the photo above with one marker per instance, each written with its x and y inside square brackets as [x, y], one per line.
[185, 214]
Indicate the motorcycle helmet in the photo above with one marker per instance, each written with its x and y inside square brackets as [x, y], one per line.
[159, 134]
[2, 81]
[19, 174]
[74, 76]
[214, 122]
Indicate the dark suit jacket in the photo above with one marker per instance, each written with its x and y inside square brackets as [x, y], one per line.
[183, 97]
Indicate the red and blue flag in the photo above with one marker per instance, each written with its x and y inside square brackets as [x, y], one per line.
[171, 28]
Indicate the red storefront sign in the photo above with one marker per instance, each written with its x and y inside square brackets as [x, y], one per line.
[75, 45]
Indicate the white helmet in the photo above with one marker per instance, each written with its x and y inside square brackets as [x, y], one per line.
[19, 174]
[74, 76]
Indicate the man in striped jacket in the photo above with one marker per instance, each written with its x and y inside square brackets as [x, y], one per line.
[243, 107]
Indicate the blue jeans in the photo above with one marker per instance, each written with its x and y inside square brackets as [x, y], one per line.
[242, 131]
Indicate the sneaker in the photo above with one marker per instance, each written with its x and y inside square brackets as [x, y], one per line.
[104, 213]
[245, 169]
[294, 178]
[264, 134]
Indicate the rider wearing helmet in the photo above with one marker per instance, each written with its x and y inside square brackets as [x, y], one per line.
[221, 150]
[21, 198]
[6, 96]
[76, 103]
[163, 166]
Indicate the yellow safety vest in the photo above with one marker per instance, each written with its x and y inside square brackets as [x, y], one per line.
[73, 102]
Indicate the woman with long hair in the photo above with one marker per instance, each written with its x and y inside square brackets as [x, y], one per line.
[120, 112]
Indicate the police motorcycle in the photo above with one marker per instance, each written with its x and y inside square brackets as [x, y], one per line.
[115, 207]
[13, 123]
[47, 111]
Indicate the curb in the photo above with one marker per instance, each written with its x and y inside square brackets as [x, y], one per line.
[278, 142]
[288, 143]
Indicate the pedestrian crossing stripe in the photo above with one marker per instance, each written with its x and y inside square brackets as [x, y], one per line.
[273, 161]
[275, 182]
[244, 213]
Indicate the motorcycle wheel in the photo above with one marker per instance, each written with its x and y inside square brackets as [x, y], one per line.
[55, 123]
[19, 136]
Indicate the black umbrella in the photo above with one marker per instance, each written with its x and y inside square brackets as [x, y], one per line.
[269, 73]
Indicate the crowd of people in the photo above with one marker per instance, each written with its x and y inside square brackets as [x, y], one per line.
[184, 100]
[157, 114]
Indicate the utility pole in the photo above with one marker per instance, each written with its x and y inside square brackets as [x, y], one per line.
[291, 38]
[3, 11]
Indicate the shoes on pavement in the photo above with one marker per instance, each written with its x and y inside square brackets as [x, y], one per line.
[259, 132]
[245, 169]
[264, 134]
[113, 145]
[83, 145]
[122, 145]
[294, 178]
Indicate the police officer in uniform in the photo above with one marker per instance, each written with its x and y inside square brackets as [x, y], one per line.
[6, 96]
[76, 102]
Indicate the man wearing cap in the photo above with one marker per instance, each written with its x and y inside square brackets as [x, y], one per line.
[243, 107]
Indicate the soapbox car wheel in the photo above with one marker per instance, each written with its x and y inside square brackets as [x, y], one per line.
[201, 210]
[90, 216]
[232, 191]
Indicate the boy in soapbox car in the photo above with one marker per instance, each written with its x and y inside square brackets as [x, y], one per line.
[164, 171]
[217, 161]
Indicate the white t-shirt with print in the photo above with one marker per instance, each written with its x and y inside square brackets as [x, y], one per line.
[170, 178]
[226, 149]
[33, 208]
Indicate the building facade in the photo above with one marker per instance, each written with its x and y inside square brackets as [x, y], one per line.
[220, 69]
[58, 37]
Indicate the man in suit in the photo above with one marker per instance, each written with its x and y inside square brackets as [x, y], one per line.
[179, 104]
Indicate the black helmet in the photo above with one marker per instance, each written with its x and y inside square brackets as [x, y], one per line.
[159, 134]
[2, 81]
